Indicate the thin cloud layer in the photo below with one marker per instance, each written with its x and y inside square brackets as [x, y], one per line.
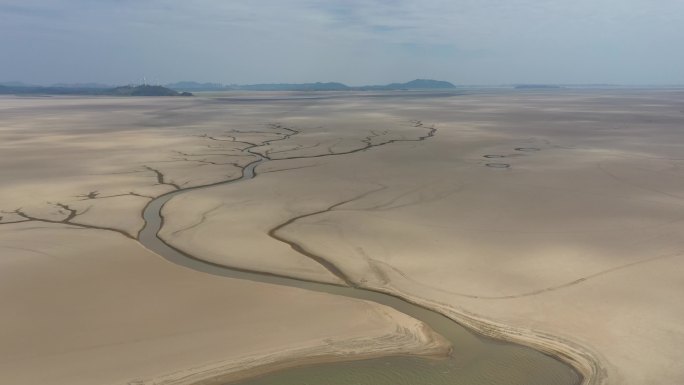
[353, 41]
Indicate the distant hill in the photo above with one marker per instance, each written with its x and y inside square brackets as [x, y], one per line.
[144, 90]
[428, 84]
[331, 86]
[181, 88]
[418, 84]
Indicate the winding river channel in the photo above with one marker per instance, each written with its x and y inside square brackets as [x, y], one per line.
[474, 360]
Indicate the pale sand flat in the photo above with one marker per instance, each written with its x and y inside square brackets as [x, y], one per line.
[581, 238]
[93, 307]
[84, 306]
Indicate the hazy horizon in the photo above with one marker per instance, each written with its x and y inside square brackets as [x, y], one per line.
[96, 84]
[486, 42]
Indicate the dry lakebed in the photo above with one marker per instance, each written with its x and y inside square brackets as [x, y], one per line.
[476, 237]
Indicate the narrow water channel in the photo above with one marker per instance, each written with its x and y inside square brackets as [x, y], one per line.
[475, 360]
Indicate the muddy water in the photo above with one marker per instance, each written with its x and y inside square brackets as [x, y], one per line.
[475, 360]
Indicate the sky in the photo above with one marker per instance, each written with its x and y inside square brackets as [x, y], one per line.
[351, 41]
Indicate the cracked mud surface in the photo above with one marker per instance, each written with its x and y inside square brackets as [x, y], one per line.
[102, 193]
[586, 221]
[577, 218]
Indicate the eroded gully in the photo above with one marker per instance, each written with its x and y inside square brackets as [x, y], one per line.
[474, 360]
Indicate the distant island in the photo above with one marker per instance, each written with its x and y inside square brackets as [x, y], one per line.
[146, 90]
[142, 90]
[186, 87]
[418, 84]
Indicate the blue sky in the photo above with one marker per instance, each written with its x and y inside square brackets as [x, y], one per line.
[353, 41]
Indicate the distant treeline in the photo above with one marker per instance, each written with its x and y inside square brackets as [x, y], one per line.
[144, 90]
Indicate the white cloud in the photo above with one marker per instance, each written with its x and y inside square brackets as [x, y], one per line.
[471, 41]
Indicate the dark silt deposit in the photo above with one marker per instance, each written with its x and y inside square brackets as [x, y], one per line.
[527, 149]
[498, 165]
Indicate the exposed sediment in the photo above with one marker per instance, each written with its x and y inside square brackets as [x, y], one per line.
[577, 356]
[251, 149]
[573, 355]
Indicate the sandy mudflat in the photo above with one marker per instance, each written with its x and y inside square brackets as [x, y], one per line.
[89, 306]
[83, 303]
[552, 218]
[555, 215]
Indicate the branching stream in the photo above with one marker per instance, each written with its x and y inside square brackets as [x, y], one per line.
[474, 360]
